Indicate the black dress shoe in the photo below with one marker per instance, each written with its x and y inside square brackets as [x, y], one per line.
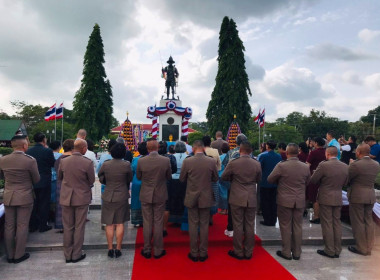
[10, 260]
[355, 251]
[296, 258]
[165, 233]
[46, 228]
[33, 229]
[336, 256]
[23, 258]
[118, 253]
[163, 253]
[231, 253]
[146, 255]
[266, 224]
[316, 221]
[69, 261]
[305, 213]
[78, 260]
[202, 259]
[323, 253]
[111, 253]
[248, 257]
[279, 253]
[194, 259]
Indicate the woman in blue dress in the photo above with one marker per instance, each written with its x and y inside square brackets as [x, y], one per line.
[136, 214]
[223, 185]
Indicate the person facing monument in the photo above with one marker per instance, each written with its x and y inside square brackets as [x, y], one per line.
[170, 74]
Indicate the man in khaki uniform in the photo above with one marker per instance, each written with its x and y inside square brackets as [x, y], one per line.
[78, 176]
[331, 176]
[217, 144]
[361, 195]
[199, 171]
[244, 173]
[20, 172]
[291, 176]
[153, 171]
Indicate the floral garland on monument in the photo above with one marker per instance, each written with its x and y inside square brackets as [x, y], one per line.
[127, 134]
[233, 132]
[185, 113]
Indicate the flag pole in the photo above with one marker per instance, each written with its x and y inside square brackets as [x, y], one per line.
[55, 124]
[62, 125]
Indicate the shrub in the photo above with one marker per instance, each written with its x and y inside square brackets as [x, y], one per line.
[5, 151]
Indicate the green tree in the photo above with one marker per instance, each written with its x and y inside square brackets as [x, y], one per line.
[200, 127]
[194, 136]
[230, 94]
[369, 118]
[93, 101]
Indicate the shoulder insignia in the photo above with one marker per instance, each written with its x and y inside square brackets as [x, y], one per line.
[29, 156]
[87, 158]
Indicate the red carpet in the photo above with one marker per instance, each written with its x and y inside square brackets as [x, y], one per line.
[176, 266]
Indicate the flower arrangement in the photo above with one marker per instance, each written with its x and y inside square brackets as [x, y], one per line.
[233, 132]
[103, 145]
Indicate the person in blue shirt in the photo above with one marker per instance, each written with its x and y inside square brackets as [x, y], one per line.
[268, 192]
[330, 137]
[375, 148]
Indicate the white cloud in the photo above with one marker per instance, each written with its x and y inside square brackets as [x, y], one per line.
[333, 52]
[306, 20]
[367, 35]
[373, 81]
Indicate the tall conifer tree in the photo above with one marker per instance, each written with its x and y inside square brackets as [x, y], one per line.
[93, 101]
[230, 94]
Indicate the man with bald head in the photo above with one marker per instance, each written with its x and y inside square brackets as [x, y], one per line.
[153, 170]
[20, 173]
[291, 177]
[361, 195]
[82, 134]
[331, 176]
[78, 176]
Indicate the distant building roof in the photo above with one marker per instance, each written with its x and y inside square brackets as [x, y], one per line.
[8, 129]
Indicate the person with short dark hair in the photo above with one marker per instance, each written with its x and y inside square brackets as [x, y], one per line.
[291, 176]
[348, 149]
[282, 150]
[217, 144]
[315, 157]
[104, 157]
[244, 174]
[136, 214]
[116, 174]
[189, 148]
[375, 148]
[361, 196]
[68, 147]
[330, 136]
[268, 191]
[42, 190]
[303, 151]
[20, 172]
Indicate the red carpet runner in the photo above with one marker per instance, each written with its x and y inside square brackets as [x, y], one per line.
[176, 266]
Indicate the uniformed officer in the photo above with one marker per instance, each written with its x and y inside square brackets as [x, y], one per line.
[199, 171]
[78, 176]
[331, 176]
[291, 176]
[244, 173]
[20, 172]
[361, 195]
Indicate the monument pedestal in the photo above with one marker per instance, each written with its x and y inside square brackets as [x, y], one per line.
[170, 123]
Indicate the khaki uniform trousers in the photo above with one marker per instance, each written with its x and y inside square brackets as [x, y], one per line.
[16, 229]
[362, 226]
[290, 220]
[153, 221]
[331, 229]
[198, 218]
[243, 219]
[74, 224]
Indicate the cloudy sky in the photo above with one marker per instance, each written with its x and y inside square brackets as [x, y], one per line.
[299, 54]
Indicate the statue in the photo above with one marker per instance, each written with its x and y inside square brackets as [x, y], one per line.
[170, 74]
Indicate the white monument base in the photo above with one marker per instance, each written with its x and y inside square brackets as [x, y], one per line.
[170, 123]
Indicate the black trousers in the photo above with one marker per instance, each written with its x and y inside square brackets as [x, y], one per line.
[41, 208]
[269, 205]
[230, 227]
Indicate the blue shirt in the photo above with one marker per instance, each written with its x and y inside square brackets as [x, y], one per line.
[375, 151]
[336, 144]
[268, 162]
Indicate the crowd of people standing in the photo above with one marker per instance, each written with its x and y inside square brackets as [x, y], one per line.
[186, 185]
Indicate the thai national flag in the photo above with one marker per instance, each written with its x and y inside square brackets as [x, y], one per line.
[59, 112]
[50, 114]
[260, 118]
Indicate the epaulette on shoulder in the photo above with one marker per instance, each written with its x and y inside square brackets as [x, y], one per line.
[87, 158]
[29, 156]
[107, 160]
